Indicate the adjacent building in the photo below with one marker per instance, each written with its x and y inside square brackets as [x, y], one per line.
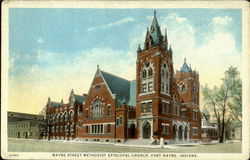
[159, 103]
[61, 118]
[209, 129]
[23, 125]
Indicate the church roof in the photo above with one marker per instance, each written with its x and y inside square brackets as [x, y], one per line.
[120, 87]
[55, 104]
[156, 31]
[80, 98]
[185, 67]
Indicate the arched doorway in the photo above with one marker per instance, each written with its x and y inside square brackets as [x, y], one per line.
[146, 130]
[132, 131]
[180, 132]
[186, 133]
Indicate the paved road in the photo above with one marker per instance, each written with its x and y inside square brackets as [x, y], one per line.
[18, 145]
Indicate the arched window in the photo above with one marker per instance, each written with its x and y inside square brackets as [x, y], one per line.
[144, 73]
[165, 79]
[71, 115]
[150, 72]
[58, 118]
[61, 115]
[65, 116]
[147, 78]
[97, 109]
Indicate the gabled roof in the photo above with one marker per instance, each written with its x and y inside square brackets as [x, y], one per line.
[120, 87]
[117, 85]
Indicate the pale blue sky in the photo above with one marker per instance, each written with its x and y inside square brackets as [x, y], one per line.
[58, 49]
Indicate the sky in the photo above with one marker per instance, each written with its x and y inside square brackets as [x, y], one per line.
[52, 51]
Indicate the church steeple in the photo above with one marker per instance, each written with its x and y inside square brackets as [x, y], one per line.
[155, 31]
[185, 67]
[154, 35]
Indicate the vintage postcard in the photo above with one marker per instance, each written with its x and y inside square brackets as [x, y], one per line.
[125, 80]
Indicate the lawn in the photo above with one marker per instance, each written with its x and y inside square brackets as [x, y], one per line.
[17, 145]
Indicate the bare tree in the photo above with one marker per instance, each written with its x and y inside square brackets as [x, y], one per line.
[226, 100]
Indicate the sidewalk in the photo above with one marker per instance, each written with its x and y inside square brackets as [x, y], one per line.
[168, 146]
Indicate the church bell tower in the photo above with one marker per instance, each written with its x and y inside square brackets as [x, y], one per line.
[155, 80]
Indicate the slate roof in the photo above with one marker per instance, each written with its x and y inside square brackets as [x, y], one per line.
[122, 88]
[185, 67]
[55, 104]
[80, 98]
[156, 32]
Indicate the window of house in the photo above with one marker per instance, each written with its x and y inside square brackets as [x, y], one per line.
[71, 115]
[120, 120]
[147, 78]
[165, 107]
[97, 109]
[164, 79]
[150, 72]
[97, 87]
[195, 131]
[150, 107]
[62, 117]
[108, 128]
[87, 129]
[165, 129]
[143, 107]
[144, 74]
[150, 86]
[144, 88]
[117, 122]
[72, 127]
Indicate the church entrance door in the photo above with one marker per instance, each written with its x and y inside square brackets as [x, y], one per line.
[132, 131]
[146, 130]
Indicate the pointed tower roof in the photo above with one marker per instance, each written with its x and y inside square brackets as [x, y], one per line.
[185, 67]
[139, 48]
[155, 31]
[166, 37]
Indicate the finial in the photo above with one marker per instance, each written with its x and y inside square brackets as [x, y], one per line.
[98, 66]
[139, 48]
[185, 60]
[62, 101]
[154, 13]
[48, 98]
[72, 90]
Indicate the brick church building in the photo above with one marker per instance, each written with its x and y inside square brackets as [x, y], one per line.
[160, 103]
